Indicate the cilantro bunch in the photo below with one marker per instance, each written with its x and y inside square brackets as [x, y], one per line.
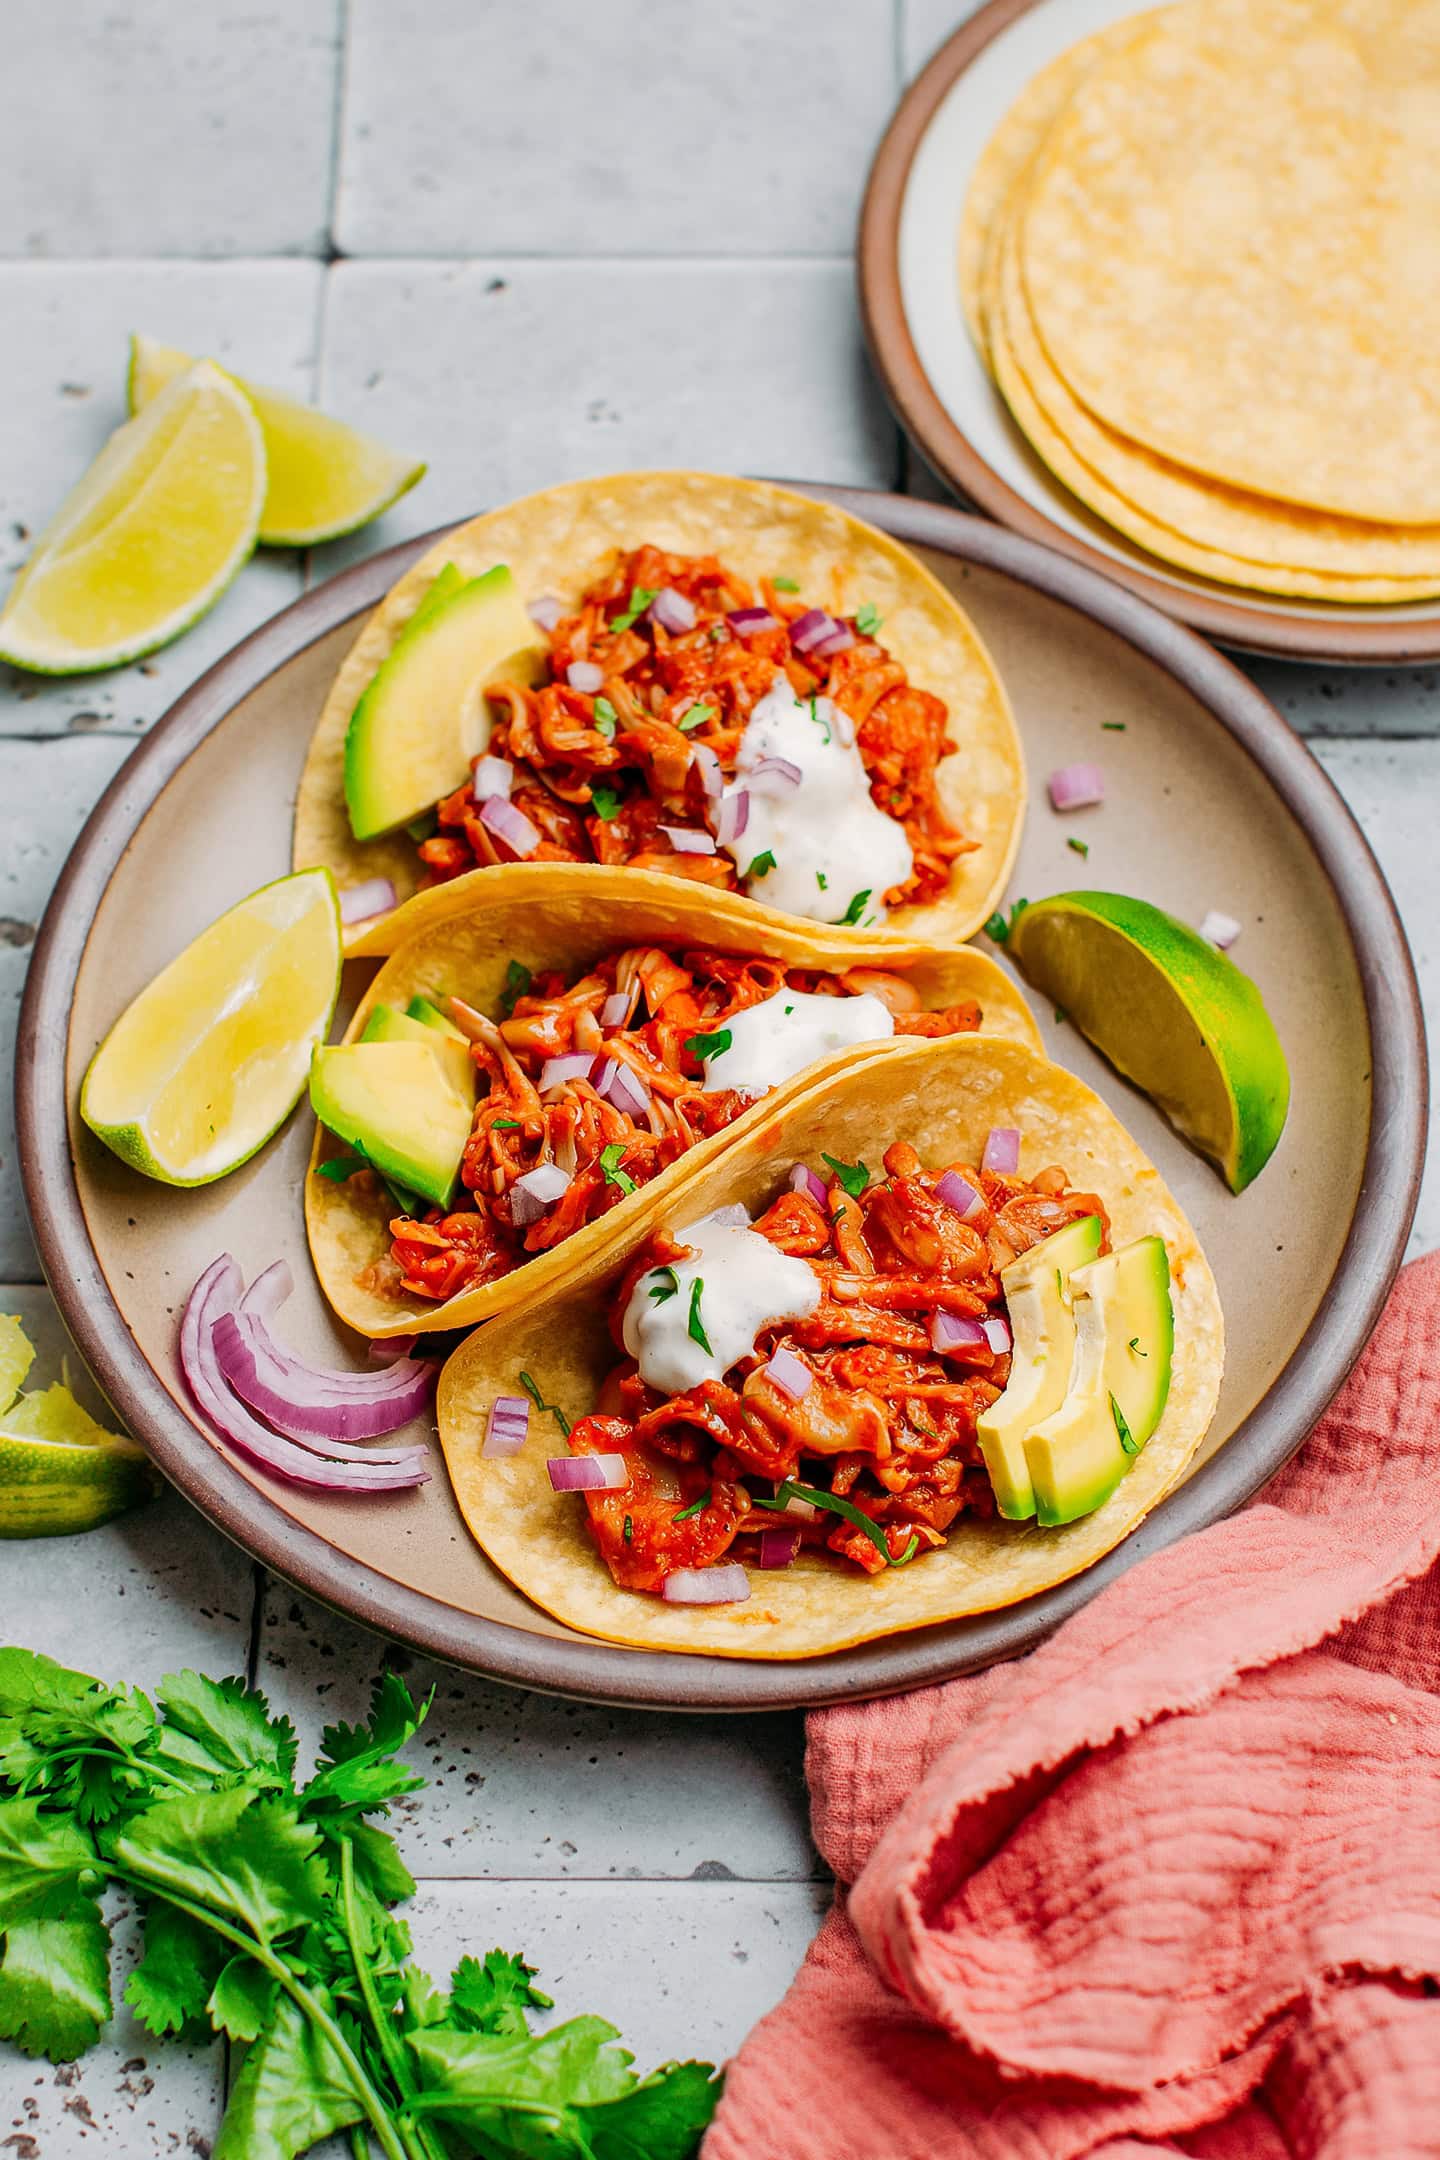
[268, 1917]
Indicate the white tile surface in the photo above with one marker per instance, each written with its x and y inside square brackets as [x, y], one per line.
[63, 358]
[639, 127]
[153, 128]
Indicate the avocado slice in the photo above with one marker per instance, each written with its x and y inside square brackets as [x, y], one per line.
[422, 717]
[440, 1039]
[396, 1103]
[1124, 1344]
[1037, 1299]
[421, 1008]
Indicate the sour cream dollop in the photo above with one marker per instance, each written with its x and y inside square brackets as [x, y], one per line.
[745, 1285]
[780, 1036]
[828, 840]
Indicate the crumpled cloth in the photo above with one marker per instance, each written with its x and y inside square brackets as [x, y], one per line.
[1170, 1884]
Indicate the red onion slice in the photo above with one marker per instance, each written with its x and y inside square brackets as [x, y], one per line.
[510, 825]
[810, 628]
[805, 1181]
[493, 776]
[615, 1011]
[958, 1193]
[1002, 1151]
[318, 1463]
[728, 1585]
[615, 1083]
[778, 1547]
[1076, 787]
[391, 1347]
[588, 1473]
[952, 1331]
[372, 896]
[783, 771]
[546, 611]
[686, 842]
[585, 675]
[1221, 930]
[733, 817]
[536, 1191]
[308, 1402]
[507, 1427]
[839, 639]
[673, 611]
[997, 1334]
[269, 1291]
[750, 621]
[712, 779]
[790, 1374]
[560, 1071]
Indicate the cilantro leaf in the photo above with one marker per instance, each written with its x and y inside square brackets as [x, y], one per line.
[576, 2077]
[610, 1158]
[696, 717]
[46, 1861]
[661, 1290]
[856, 908]
[292, 2091]
[55, 1982]
[1114, 727]
[763, 862]
[505, 1124]
[548, 1409]
[1126, 1438]
[356, 1770]
[696, 1507]
[784, 584]
[853, 1176]
[229, 1728]
[640, 598]
[868, 619]
[999, 927]
[237, 1852]
[242, 2000]
[493, 1997]
[605, 802]
[340, 1167]
[606, 718]
[517, 985]
[1079, 847]
[818, 1497]
[662, 2118]
[822, 881]
[695, 1326]
[708, 1046]
[182, 1960]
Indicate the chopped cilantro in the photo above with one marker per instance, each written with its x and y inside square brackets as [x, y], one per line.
[1060, 1282]
[999, 928]
[868, 619]
[1061, 1016]
[818, 718]
[548, 1409]
[606, 718]
[696, 1507]
[1078, 847]
[505, 1124]
[517, 984]
[708, 1046]
[822, 881]
[661, 1290]
[605, 802]
[1127, 1439]
[818, 1497]
[1134, 1344]
[1114, 727]
[695, 718]
[853, 1176]
[788, 1010]
[717, 633]
[856, 908]
[763, 863]
[629, 1531]
[341, 1167]
[784, 584]
[421, 828]
[640, 598]
[696, 1327]
[610, 1164]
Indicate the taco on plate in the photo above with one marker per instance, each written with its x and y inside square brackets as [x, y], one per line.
[522, 1073]
[712, 679]
[924, 1340]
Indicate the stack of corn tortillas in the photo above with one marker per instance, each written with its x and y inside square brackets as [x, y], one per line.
[1202, 257]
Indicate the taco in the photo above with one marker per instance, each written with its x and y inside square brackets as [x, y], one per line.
[923, 1341]
[520, 1075]
[713, 679]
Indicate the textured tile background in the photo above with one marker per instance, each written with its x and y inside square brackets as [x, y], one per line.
[529, 242]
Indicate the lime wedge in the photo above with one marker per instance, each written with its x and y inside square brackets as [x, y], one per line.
[1170, 1013]
[149, 539]
[16, 1357]
[213, 1055]
[325, 478]
[59, 1471]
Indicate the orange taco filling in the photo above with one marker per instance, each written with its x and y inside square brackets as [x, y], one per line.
[689, 725]
[588, 1090]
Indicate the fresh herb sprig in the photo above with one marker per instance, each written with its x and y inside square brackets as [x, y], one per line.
[268, 1915]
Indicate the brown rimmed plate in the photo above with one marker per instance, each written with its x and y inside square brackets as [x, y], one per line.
[1212, 800]
[942, 393]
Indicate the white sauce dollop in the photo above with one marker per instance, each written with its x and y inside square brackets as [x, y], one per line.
[827, 837]
[779, 1037]
[745, 1285]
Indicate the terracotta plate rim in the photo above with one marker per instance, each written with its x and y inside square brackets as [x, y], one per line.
[605, 1672]
[1358, 640]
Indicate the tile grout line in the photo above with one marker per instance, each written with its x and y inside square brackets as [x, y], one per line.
[338, 106]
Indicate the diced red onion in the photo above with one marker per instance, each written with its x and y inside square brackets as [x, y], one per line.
[510, 825]
[372, 896]
[585, 675]
[728, 1585]
[1221, 930]
[493, 776]
[615, 1083]
[802, 1510]
[778, 1547]
[732, 817]
[734, 1216]
[951, 1331]
[1077, 787]
[958, 1193]
[616, 1009]
[507, 1427]
[391, 1347]
[588, 1473]
[810, 628]
[783, 771]
[536, 1191]
[712, 779]
[1002, 1151]
[844, 727]
[837, 640]
[673, 611]
[305, 1401]
[560, 1071]
[687, 842]
[750, 621]
[790, 1374]
[997, 1334]
[803, 1180]
[546, 611]
[318, 1463]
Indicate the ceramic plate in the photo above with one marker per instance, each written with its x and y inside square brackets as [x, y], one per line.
[1212, 801]
[943, 395]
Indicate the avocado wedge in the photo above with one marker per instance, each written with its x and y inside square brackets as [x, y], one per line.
[396, 1102]
[1037, 1298]
[443, 1041]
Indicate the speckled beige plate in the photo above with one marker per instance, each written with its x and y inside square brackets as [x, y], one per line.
[1211, 801]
